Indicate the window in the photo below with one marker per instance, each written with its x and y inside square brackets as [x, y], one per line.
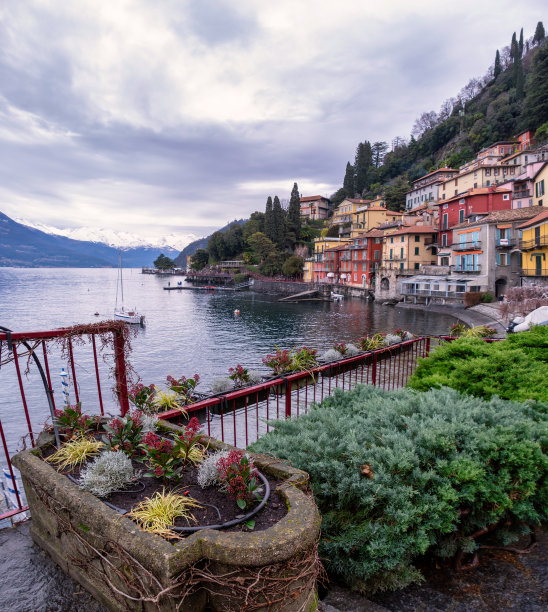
[505, 196]
[417, 238]
[487, 171]
[444, 261]
[461, 215]
[445, 219]
[403, 239]
[539, 189]
[377, 255]
[416, 250]
[496, 171]
[391, 239]
[461, 201]
[401, 266]
[502, 259]
[391, 254]
[417, 265]
[444, 240]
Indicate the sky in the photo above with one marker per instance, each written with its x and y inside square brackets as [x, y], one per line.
[173, 117]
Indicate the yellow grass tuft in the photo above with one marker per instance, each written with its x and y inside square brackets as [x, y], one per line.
[74, 452]
[158, 513]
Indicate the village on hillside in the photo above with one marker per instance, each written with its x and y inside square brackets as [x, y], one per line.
[481, 228]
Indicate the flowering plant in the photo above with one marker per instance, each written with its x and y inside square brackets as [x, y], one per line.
[124, 434]
[71, 421]
[371, 343]
[142, 397]
[239, 375]
[340, 347]
[161, 458]
[279, 362]
[457, 329]
[187, 445]
[183, 387]
[296, 360]
[239, 478]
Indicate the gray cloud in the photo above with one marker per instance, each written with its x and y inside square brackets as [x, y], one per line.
[191, 114]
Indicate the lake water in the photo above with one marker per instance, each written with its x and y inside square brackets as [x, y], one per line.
[186, 332]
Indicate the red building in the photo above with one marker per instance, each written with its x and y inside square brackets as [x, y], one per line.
[467, 205]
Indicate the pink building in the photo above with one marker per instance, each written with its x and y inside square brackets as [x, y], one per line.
[315, 207]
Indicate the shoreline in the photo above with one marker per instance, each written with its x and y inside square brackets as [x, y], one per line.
[483, 314]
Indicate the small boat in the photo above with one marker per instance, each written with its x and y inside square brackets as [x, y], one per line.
[128, 316]
[337, 297]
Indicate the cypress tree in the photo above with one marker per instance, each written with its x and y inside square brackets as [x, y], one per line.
[362, 164]
[520, 44]
[269, 220]
[498, 68]
[348, 183]
[279, 224]
[294, 212]
[514, 47]
[539, 33]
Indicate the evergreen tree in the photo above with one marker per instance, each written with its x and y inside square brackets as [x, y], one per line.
[394, 194]
[162, 262]
[539, 34]
[378, 150]
[536, 100]
[520, 44]
[279, 224]
[514, 47]
[294, 212]
[362, 164]
[498, 68]
[269, 220]
[348, 183]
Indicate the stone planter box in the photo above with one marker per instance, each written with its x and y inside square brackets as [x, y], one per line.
[126, 568]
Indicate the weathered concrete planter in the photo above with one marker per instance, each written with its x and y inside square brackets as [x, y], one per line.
[128, 569]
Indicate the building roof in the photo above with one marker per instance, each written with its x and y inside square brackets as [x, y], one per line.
[541, 217]
[498, 216]
[313, 198]
[474, 191]
[373, 233]
[415, 229]
[434, 172]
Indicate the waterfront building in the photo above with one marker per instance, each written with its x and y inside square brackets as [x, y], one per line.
[485, 250]
[315, 267]
[534, 249]
[372, 215]
[457, 209]
[315, 207]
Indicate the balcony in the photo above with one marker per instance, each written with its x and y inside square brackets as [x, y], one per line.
[431, 292]
[521, 194]
[535, 243]
[505, 243]
[474, 245]
[471, 269]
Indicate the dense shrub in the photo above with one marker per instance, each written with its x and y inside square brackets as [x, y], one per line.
[514, 368]
[393, 471]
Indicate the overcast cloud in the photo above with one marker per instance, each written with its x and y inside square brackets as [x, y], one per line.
[175, 116]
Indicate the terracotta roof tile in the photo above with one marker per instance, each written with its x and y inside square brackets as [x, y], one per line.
[541, 217]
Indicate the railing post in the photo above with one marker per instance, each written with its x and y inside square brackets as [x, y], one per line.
[374, 370]
[120, 372]
[287, 399]
[427, 350]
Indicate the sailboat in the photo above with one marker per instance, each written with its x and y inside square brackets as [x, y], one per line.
[129, 316]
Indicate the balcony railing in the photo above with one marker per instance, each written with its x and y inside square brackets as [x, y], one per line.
[503, 243]
[471, 269]
[521, 194]
[535, 243]
[467, 246]
[431, 292]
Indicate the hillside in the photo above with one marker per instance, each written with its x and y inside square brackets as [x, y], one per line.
[201, 243]
[512, 97]
[23, 246]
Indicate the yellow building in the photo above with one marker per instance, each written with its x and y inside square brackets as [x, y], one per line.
[409, 247]
[540, 185]
[534, 247]
[370, 216]
[315, 268]
[343, 213]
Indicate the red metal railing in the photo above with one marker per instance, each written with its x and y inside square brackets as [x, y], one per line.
[242, 416]
[67, 346]
[239, 417]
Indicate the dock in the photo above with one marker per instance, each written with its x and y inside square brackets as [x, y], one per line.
[207, 287]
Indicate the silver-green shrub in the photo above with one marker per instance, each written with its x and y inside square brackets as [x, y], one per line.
[255, 377]
[330, 355]
[222, 384]
[207, 470]
[351, 350]
[111, 471]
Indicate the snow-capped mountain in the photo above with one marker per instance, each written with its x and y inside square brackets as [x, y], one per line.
[123, 240]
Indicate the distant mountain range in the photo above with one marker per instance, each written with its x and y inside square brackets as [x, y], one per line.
[24, 246]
